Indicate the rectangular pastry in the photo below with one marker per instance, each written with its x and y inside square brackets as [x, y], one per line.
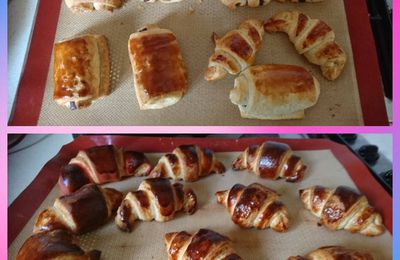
[158, 69]
[275, 92]
[90, 5]
[81, 71]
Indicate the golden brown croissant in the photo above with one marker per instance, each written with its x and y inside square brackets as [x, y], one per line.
[204, 244]
[156, 199]
[102, 164]
[236, 50]
[55, 245]
[255, 206]
[82, 211]
[90, 5]
[332, 253]
[275, 92]
[188, 163]
[271, 160]
[312, 38]
[342, 208]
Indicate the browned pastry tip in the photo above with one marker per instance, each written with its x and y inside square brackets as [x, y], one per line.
[334, 252]
[56, 244]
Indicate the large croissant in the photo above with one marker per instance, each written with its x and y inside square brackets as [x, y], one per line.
[156, 199]
[55, 245]
[82, 211]
[271, 160]
[102, 164]
[312, 38]
[236, 50]
[204, 244]
[334, 252]
[255, 206]
[188, 163]
[342, 208]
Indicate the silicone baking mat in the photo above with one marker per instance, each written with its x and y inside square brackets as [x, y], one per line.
[207, 103]
[328, 164]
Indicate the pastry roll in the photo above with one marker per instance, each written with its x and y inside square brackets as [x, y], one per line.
[232, 4]
[255, 206]
[156, 199]
[56, 245]
[82, 211]
[158, 69]
[81, 71]
[312, 38]
[188, 163]
[342, 208]
[236, 50]
[90, 5]
[204, 244]
[275, 92]
[271, 160]
[334, 252]
[102, 164]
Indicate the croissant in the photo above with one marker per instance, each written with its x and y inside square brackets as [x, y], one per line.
[102, 164]
[204, 244]
[334, 252]
[271, 160]
[188, 163]
[255, 206]
[82, 211]
[56, 245]
[156, 199]
[312, 38]
[236, 50]
[342, 208]
[90, 5]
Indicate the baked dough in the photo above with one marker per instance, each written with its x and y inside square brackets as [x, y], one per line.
[275, 92]
[342, 208]
[159, 71]
[236, 50]
[312, 38]
[332, 253]
[81, 71]
[91, 5]
[55, 245]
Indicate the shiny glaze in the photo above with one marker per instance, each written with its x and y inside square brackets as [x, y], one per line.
[238, 45]
[278, 81]
[158, 63]
[72, 177]
[363, 218]
[341, 253]
[252, 154]
[47, 245]
[71, 60]
[339, 204]
[291, 174]
[177, 243]
[270, 211]
[125, 213]
[202, 242]
[133, 160]
[249, 203]
[190, 153]
[162, 190]
[319, 31]
[87, 207]
[142, 198]
[318, 198]
[103, 158]
[47, 221]
[271, 156]
[233, 195]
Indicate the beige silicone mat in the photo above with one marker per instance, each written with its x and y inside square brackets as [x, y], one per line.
[146, 240]
[193, 21]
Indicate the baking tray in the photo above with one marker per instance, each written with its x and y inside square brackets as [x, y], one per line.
[356, 98]
[329, 164]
